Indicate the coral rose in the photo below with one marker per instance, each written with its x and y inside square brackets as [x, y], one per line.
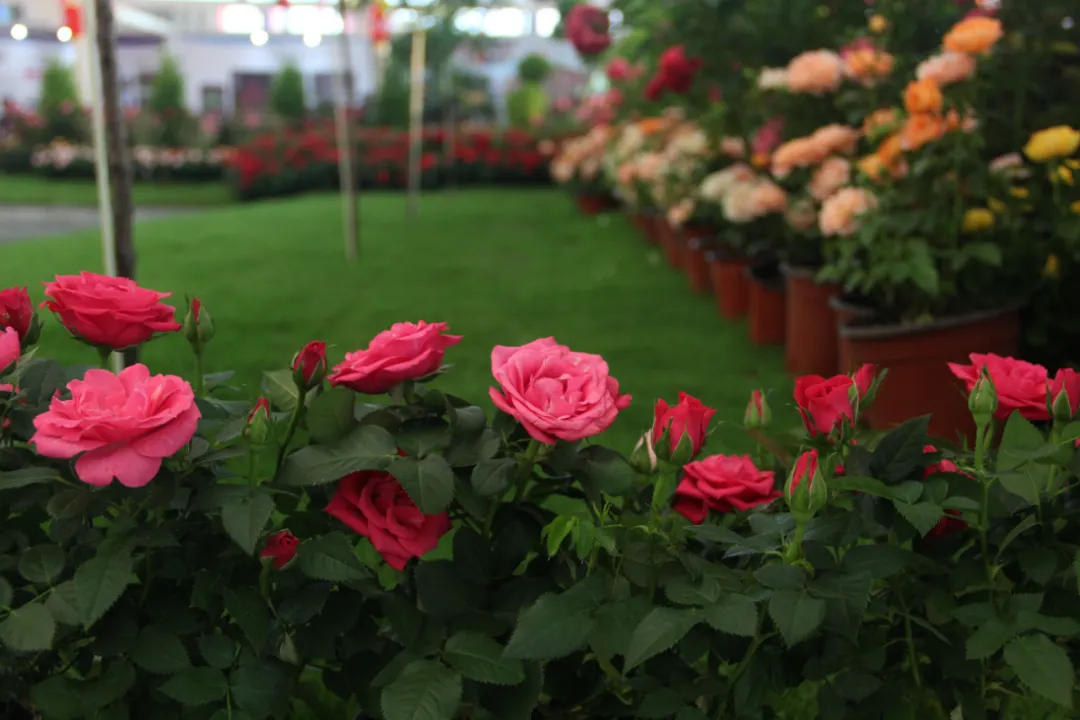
[973, 35]
[16, 311]
[830, 176]
[407, 351]
[554, 392]
[108, 311]
[946, 69]
[826, 403]
[923, 96]
[375, 506]
[920, 130]
[766, 198]
[10, 350]
[123, 425]
[815, 72]
[689, 417]
[1019, 385]
[869, 65]
[1052, 143]
[722, 483]
[834, 138]
[840, 213]
[797, 153]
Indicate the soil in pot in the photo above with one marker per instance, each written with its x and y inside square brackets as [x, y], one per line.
[730, 286]
[595, 203]
[695, 262]
[768, 306]
[811, 346]
[919, 380]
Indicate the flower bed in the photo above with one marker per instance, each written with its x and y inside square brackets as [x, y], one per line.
[63, 161]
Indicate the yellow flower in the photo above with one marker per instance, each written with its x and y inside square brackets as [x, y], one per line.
[1063, 173]
[1055, 142]
[878, 24]
[1075, 207]
[977, 220]
[1019, 192]
[1073, 164]
[1052, 268]
[997, 206]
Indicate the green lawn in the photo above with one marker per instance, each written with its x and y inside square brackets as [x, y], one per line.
[501, 266]
[22, 189]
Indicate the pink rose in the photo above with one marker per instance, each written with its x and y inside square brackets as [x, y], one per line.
[107, 311]
[556, 393]
[689, 417]
[407, 351]
[376, 506]
[1019, 385]
[806, 467]
[124, 425]
[825, 404]
[722, 483]
[9, 348]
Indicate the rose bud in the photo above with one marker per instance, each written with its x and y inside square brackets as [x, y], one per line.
[259, 424]
[1064, 395]
[983, 400]
[643, 458]
[17, 311]
[280, 549]
[806, 492]
[198, 327]
[309, 366]
[679, 432]
[758, 413]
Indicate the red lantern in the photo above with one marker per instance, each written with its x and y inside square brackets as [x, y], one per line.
[378, 24]
[73, 17]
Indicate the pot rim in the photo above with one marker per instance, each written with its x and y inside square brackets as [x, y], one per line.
[875, 332]
[801, 271]
[776, 284]
[837, 302]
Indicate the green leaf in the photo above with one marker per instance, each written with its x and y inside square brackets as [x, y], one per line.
[1043, 666]
[988, 638]
[260, 686]
[27, 476]
[42, 564]
[63, 603]
[684, 591]
[246, 606]
[609, 469]
[734, 615]
[330, 415]
[331, 558]
[1076, 570]
[866, 485]
[110, 687]
[100, 581]
[726, 536]
[244, 518]
[218, 651]
[281, 389]
[28, 629]
[196, 686]
[58, 698]
[879, 560]
[779, 576]
[1019, 529]
[6, 593]
[478, 657]
[425, 690]
[796, 614]
[557, 531]
[924, 516]
[491, 477]
[159, 652]
[615, 624]
[304, 604]
[518, 701]
[368, 447]
[659, 631]
[1020, 442]
[553, 627]
[899, 455]
[429, 482]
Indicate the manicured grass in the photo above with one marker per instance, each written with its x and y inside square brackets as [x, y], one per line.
[22, 189]
[501, 266]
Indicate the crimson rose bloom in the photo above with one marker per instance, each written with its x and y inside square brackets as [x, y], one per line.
[722, 483]
[124, 425]
[690, 417]
[1067, 380]
[1019, 385]
[554, 392]
[587, 29]
[826, 403]
[677, 70]
[107, 311]
[16, 310]
[309, 365]
[376, 506]
[407, 351]
[280, 546]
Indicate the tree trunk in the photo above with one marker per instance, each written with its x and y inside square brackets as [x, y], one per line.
[117, 149]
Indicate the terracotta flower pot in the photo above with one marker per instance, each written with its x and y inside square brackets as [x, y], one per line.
[670, 242]
[768, 307]
[919, 380]
[847, 312]
[811, 346]
[695, 262]
[730, 287]
[595, 203]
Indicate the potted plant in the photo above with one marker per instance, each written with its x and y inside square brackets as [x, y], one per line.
[578, 167]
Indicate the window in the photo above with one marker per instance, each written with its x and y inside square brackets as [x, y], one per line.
[213, 98]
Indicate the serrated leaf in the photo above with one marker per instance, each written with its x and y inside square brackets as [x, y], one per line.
[246, 606]
[368, 447]
[196, 686]
[1043, 666]
[684, 591]
[218, 651]
[281, 389]
[553, 627]
[491, 477]
[659, 631]
[987, 639]
[63, 603]
[1019, 529]
[796, 614]
[28, 629]
[159, 652]
[425, 690]
[721, 534]
[68, 503]
[779, 576]
[516, 702]
[734, 615]
[879, 560]
[245, 518]
[330, 558]
[260, 686]
[899, 454]
[330, 415]
[304, 604]
[608, 469]
[924, 516]
[478, 657]
[100, 581]
[429, 482]
[557, 532]
[866, 485]
[615, 623]
[58, 698]
[42, 564]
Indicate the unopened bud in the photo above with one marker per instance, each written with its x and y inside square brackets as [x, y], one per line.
[983, 400]
[1062, 409]
[198, 327]
[259, 424]
[758, 413]
[806, 492]
[643, 459]
[309, 366]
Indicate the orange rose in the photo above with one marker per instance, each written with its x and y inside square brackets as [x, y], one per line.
[869, 64]
[879, 120]
[973, 35]
[872, 167]
[797, 153]
[968, 123]
[923, 96]
[918, 130]
[890, 149]
[835, 138]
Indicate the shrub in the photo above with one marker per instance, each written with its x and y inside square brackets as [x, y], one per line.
[59, 107]
[287, 95]
[171, 124]
[534, 68]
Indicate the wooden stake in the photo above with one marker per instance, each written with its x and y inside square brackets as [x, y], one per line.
[350, 196]
[416, 117]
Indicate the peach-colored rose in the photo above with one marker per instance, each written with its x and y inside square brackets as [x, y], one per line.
[719, 183]
[626, 173]
[815, 72]
[562, 171]
[767, 197]
[946, 69]
[840, 213]
[802, 215]
[733, 147]
[969, 123]
[880, 120]
[890, 149]
[973, 35]
[679, 213]
[836, 139]
[868, 65]
[797, 153]
[772, 79]
[739, 203]
[830, 176]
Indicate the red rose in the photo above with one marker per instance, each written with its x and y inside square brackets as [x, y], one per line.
[618, 70]
[280, 546]
[1019, 385]
[109, 312]
[407, 351]
[1066, 381]
[689, 417]
[826, 403]
[722, 483]
[677, 70]
[588, 30]
[655, 88]
[16, 311]
[309, 365]
[376, 506]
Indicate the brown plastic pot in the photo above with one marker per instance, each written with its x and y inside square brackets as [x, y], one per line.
[768, 307]
[811, 346]
[695, 262]
[847, 312]
[670, 242]
[595, 203]
[919, 380]
[729, 284]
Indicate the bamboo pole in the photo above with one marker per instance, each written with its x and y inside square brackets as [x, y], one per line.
[416, 117]
[350, 196]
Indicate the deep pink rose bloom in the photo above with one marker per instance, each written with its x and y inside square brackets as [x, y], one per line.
[406, 351]
[1019, 385]
[825, 403]
[723, 483]
[108, 311]
[768, 136]
[376, 506]
[124, 425]
[1067, 380]
[9, 348]
[688, 417]
[677, 70]
[554, 392]
[806, 467]
[16, 310]
[618, 70]
[588, 29]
